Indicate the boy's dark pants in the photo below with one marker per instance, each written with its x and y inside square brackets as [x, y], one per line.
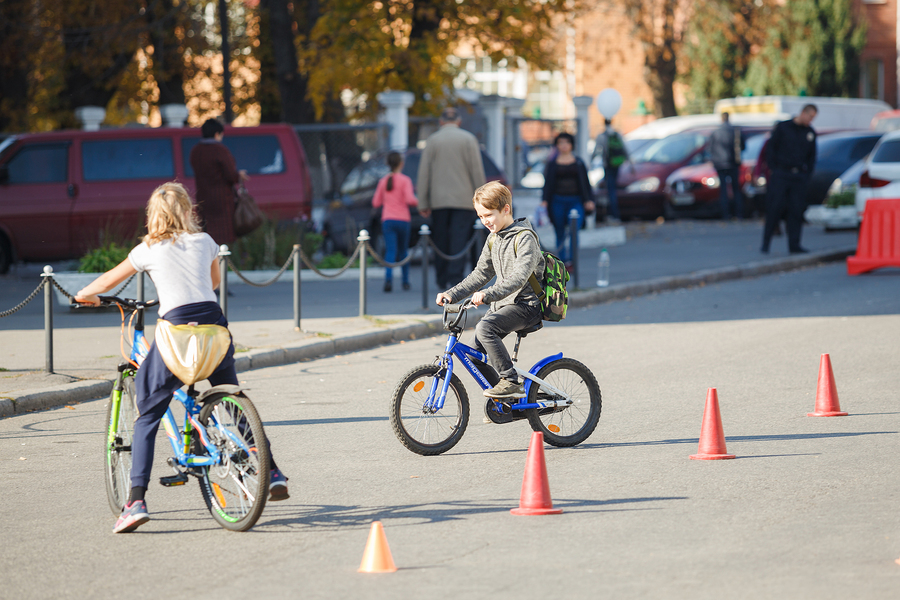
[155, 384]
[495, 326]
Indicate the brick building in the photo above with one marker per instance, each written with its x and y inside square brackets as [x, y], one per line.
[878, 77]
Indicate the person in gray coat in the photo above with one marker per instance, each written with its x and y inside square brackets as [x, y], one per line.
[725, 146]
[511, 254]
[450, 170]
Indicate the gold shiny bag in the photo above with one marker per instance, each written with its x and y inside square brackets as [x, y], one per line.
[191, 352]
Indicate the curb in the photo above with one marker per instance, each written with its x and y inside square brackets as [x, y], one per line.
[81, 391]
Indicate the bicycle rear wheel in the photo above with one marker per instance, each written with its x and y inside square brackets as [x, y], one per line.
[418, 426]
[117, 456]
[235, 489]
[572, 424]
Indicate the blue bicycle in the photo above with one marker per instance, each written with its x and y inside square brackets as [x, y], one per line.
[216, 443]
[430, 407]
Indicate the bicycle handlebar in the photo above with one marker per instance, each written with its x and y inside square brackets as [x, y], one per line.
[459, 310]
[124, 302]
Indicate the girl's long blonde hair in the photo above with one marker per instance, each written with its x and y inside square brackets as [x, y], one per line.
[170, 213]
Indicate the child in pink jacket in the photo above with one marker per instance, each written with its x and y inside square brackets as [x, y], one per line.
[395, 194]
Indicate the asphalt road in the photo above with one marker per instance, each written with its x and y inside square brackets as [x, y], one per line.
[807, 510]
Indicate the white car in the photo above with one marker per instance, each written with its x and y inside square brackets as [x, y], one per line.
[881, 174]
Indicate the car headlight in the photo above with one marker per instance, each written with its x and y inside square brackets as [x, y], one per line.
[647, 184]
[710, 182]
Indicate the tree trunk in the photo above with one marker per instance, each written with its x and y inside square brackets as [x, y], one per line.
[14, 66]
[292, 85]
[168, 61]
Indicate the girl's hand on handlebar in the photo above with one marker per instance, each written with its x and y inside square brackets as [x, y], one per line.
[91, 299]
[443, 299]
[477, 298]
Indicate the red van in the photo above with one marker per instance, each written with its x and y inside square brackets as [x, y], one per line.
[63, 193]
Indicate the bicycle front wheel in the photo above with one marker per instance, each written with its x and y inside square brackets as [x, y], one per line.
[417, 424]
[120, 416]
[235, 489]
[572, 424]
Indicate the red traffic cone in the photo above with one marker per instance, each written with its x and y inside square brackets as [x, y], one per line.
[535, 499]
[712, 437]
[827, 404]
[377, 556]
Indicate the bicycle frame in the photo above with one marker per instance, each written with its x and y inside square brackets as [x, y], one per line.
[181, 443]
[463, 353]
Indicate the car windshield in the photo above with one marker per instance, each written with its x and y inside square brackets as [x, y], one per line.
[753, 147]
[5, 144]
[673, 149]
[888, 152]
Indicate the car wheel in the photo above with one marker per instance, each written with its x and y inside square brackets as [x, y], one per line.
[5, 254]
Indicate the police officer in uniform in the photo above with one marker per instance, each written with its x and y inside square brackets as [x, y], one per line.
[791, 154]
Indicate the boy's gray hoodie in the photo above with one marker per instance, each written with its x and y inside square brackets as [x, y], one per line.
[512, 255]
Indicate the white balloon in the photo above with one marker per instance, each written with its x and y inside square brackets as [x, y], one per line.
[609, 101]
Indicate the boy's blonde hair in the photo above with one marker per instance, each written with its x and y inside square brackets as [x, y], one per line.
[493, 196]
[170, 213]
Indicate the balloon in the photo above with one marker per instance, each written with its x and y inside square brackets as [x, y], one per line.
[609, 101]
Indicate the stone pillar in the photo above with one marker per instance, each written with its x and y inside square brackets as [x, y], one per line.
[513, 148]
[494, 109]
[173, 115]
[90, 117]
[396, 112]
[582, 104]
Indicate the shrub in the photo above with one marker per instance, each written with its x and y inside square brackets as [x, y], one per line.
[104, 258]
[847, 198]
[271, 244]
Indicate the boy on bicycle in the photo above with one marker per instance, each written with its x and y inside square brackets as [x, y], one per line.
[511, 253]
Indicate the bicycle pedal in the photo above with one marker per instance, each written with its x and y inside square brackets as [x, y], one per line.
[173, 480]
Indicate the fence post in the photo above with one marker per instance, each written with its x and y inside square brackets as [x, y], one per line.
[424, 233]
[140, 286]
[573, 244]
[48, 318]
[362, 239]
[223, 278]
[297, 266]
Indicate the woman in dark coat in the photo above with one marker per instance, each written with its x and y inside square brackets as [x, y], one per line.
[216, 175]
[566, 186]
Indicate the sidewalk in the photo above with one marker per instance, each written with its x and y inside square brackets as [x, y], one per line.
[655, 257]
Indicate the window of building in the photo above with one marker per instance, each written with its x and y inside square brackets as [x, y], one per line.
[256, 154]
[872, 80]
[119, 160]
[40, 163]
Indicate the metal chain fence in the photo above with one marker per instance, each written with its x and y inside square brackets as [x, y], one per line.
[22, 304]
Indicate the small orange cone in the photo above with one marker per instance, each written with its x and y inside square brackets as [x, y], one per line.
[827, 404]
[377, 556]
[535, 498]
[712, 436]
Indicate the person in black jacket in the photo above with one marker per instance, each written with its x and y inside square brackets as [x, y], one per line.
[725, 146]
[791, 154]
[566, 186]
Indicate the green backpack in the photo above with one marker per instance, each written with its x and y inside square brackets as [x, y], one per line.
[551, 290]
[616, 150]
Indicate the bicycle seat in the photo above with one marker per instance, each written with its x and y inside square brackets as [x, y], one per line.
[523, 332]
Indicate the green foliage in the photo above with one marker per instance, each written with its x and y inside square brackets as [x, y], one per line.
[104, 258]
[846, 198]
[270, 245]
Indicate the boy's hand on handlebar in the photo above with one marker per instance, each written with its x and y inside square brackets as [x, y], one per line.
[477, 298]
[443, 299]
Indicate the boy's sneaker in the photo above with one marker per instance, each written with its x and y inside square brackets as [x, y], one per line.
[278, 489]
[133, 516]
[506, 389]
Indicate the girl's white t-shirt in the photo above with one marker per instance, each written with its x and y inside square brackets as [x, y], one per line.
[180, 269]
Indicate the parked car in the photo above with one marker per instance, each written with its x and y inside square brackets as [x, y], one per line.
[833, 213]
[66, 192]
[345, 216]
[881, 173]
[885, 121]
[694, 190]
[836, 151]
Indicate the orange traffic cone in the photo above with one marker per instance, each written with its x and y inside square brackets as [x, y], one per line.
[377, 556]
[535, 498]
[827, 404]
[712, 437]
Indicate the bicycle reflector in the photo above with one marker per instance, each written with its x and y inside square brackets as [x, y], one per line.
[553, 428]
[418, 387]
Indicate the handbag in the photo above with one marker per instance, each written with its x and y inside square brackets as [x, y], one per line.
[247, 215]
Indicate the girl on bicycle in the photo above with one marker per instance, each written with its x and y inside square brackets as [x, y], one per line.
[182, 261]
[395, 194]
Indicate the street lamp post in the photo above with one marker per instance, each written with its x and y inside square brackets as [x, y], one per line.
[226, 55]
